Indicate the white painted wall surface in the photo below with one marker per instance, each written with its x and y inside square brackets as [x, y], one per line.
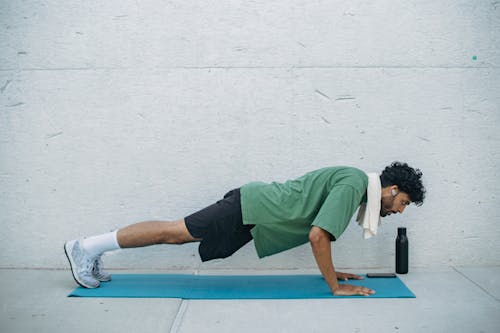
[121, 111]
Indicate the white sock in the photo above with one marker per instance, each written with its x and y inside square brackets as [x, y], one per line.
[97, 245]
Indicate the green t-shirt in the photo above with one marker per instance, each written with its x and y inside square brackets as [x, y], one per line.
[283, 213]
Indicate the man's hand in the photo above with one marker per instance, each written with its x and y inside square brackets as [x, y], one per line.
[320, 243]
[347, 290]
[346, 276]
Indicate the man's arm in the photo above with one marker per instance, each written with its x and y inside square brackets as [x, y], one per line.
[320, 243]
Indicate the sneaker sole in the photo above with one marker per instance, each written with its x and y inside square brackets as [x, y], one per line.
[102, 280]
[71, 264]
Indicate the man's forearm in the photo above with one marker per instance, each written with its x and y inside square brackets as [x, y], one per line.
[322, 250]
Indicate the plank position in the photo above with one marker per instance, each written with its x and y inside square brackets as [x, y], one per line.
[315, 208]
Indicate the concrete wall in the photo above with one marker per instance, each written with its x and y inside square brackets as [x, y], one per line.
[121, 111]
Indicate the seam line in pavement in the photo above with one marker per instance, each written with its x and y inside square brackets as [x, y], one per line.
[181, 311]
[477, 284]
[179, 317]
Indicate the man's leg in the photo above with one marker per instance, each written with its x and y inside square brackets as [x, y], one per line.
[85, 255]
[154, 232]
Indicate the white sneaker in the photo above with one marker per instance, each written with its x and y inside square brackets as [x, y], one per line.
[81, 264]
[98, 273]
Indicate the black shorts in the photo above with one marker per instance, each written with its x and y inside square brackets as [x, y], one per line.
[220, 226]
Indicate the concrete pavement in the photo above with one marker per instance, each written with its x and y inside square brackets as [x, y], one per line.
[450, 299]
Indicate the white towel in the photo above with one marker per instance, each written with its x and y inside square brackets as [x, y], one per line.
[369, 212]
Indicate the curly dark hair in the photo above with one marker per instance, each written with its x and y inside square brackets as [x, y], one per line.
[407, 179]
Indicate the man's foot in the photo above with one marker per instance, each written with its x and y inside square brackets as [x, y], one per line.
[98, 273]
[81, 264]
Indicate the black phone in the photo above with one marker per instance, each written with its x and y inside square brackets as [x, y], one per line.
[381, 275]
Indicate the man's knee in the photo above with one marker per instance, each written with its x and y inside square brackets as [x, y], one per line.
[177, 233]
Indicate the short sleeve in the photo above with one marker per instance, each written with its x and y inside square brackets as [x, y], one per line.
[338, 209]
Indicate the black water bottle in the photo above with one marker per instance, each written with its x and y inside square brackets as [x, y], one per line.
[401, 252]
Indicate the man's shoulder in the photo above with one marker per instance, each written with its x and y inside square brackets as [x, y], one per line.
[345, 171]
[347, 175]
[356, 173]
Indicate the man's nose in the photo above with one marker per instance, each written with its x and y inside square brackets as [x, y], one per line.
[401, 210]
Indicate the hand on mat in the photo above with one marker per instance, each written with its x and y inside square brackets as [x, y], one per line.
[346, 276]
[347, 290]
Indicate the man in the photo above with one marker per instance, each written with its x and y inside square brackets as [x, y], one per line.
[315, 207]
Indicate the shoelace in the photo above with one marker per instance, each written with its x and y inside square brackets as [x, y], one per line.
[87, 265]
[97, 266]
[86, 269]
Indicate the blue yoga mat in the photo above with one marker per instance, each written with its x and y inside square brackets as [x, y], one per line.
[189, 286]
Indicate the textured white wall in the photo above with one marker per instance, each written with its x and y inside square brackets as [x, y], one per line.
[120, 111]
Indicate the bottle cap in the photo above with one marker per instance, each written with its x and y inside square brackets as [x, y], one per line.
[401, 231]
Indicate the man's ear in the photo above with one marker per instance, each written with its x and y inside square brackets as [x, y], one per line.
[394, 190]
